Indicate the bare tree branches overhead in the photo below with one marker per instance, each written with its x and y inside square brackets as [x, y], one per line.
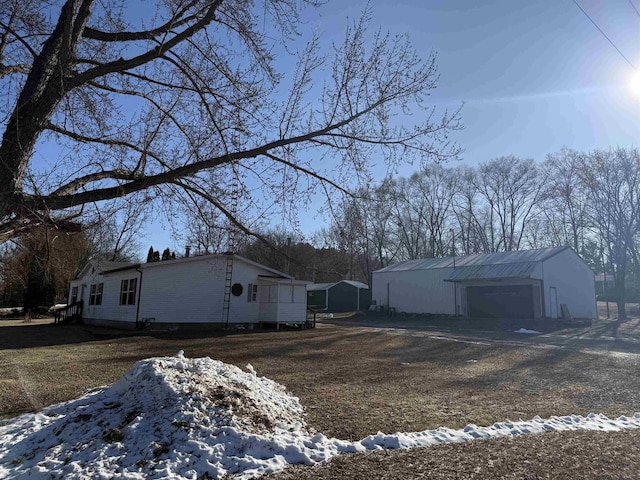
[100, 101]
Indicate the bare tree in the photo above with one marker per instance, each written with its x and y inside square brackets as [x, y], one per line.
[612, 178]
[137, 108]
[512, 189]
[436, 187]
[566, 220]
[469, 213]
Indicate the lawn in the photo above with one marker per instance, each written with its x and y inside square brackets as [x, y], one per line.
[354, 382]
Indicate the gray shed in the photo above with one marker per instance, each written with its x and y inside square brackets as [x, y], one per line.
[523, 284]
[342, 296]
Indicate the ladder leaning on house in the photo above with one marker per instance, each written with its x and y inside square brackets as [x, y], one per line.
[226, 302]
[231, 248]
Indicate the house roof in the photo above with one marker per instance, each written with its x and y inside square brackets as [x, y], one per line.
[103, 266]
[479, 260]
[327, 286]
[113, 267]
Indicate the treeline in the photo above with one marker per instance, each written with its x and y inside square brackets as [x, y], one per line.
[35, 269]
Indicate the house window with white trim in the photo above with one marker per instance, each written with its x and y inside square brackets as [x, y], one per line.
[252, 293]
[128, 291]
[74, 295]
[95, 294]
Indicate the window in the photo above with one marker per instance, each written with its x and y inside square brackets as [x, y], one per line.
[286, 293]
[74, 295]
[128, 291]
[236, 289]
[95, 294]
[252, 293]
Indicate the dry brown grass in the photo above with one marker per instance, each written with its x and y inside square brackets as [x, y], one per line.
[352, 381]
[576, 455]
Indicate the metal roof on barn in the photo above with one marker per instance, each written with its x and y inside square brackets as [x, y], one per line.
[326, 286]
[493, 272]
[503, 264]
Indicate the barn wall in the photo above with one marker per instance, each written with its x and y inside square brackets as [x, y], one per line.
[415, 291]
[365, 298]
[317, 298]
[342, 297]
[193, 292]
[574, 282]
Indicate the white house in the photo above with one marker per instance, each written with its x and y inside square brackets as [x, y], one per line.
[188, 291]
[524, 284]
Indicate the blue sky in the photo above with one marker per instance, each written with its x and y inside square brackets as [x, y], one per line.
[534, 76]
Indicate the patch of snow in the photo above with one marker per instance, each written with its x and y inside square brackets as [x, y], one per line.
[530, 332]
[182, 418]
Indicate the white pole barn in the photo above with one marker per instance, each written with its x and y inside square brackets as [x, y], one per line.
[542, 283]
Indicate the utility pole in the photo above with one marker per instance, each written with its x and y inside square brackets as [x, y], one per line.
[604, 279]
[455, 287]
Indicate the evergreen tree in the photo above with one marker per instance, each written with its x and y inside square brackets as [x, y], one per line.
[150, 255]
[166, 254]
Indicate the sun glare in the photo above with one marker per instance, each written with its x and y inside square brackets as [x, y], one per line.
[634, 85]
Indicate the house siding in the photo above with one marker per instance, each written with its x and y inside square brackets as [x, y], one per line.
[189, 291]
[283, 303]
[110, 311]
[193, 292]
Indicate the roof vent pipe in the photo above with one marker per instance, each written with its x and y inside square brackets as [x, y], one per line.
[187, 250]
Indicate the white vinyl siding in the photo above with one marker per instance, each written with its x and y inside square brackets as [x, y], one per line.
[186, 291]
[192, 291]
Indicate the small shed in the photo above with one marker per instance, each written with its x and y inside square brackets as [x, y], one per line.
[342, 296]
[216, 290]
[524, 284]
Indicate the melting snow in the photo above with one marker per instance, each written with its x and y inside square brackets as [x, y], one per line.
[530, 332]
[185, 418]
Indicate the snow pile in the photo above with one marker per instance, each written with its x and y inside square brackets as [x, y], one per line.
[530, 332]
[168, 417]
[200, 418]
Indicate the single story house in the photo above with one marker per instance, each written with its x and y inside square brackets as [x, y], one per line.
[542, 283]
[217, 289]
[342, 296]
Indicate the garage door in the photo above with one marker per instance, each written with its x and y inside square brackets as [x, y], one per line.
[503, 301]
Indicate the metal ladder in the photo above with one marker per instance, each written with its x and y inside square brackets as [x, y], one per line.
[231, 248]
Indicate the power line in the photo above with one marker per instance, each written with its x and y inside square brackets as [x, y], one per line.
[634, 7]
[605, 35]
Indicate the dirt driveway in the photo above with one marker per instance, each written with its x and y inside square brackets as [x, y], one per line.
[604, 335]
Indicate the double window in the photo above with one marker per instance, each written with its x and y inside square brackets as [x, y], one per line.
[95, 294]
[128, 291]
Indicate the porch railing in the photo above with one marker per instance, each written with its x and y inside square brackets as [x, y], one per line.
[70, 313]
